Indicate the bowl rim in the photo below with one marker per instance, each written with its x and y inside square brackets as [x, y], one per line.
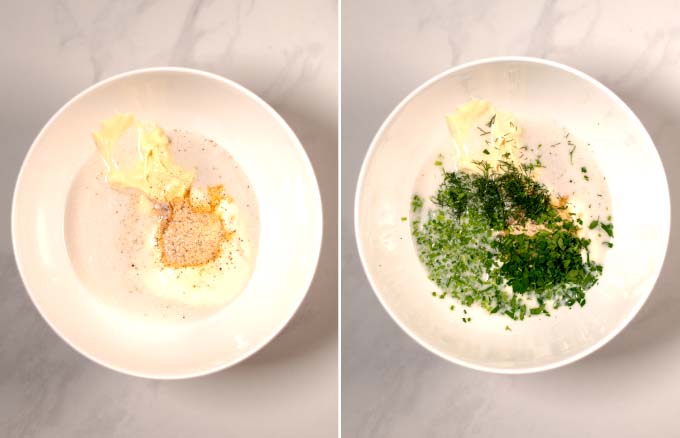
[317, 234]
[369, 154]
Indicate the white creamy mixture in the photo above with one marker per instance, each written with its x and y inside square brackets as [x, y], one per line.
[112, 243]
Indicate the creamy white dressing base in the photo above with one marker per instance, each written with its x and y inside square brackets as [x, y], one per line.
[590, 200]
[112, 245]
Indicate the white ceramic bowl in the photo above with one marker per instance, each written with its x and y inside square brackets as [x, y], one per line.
[290, 223]
[624, 152]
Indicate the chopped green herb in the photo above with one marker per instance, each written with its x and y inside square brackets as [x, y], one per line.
[474, 248]
[571, 152]
[584, 170]
[437, 163]
[593, 224]
[416, 203]
[486, 152]
[404, 218]
[585, 177]
[608, 228]
[609, 244]
[493, 119]
[483, 132]
[507, 328]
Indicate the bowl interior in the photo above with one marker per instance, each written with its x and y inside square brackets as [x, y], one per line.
[623, 151]
[282, 179]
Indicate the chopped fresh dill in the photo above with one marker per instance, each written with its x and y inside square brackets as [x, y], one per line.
[486, 152]
[483, 132]
[493, 119]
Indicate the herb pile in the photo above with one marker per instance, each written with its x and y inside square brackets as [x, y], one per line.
[496, 239]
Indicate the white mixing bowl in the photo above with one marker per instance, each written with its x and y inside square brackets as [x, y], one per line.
[640, 206]
[290, 223]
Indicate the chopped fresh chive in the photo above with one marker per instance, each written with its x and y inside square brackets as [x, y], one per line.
[404, 219]
[486, 152]
[437, 163]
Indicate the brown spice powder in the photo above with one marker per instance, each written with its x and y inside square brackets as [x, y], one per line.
[192, 235]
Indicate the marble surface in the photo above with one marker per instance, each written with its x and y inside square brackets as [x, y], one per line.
[392, 387]
[285, 51]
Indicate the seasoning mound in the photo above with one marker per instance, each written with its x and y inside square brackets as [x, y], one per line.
[192, 232]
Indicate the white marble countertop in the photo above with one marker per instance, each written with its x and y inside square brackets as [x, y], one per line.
[391, 386]
[285, 51]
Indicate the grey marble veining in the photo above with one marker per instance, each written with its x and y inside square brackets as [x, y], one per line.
[391, 386]
[285, 51]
